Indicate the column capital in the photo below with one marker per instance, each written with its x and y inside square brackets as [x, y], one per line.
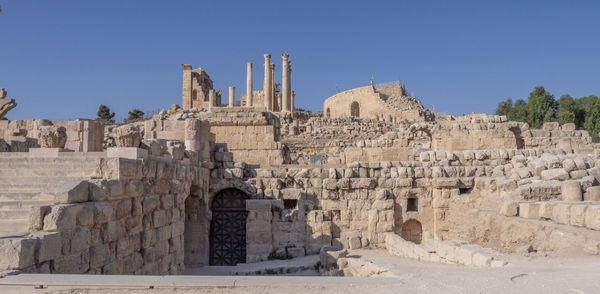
[267, 57]
[285, 56]
[186, 66]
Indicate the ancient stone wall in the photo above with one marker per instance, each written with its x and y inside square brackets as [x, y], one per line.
[82, 135]
[250, 133]
[370, 102]
[128, 220]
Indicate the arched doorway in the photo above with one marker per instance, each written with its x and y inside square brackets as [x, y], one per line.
[354, 109]
[228, 228]
[412, 231]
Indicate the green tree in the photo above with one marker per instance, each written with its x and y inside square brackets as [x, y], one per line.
[105, 114]
[592, 119]
[566, 109]
[541, 107]
[504, 107]
[519, 111]
[135, 114]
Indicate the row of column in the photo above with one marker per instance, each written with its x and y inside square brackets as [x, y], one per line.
[270, 101]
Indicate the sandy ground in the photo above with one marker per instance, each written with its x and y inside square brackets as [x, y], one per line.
[557, 273]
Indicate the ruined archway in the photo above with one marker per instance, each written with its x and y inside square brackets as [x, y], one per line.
[228, 228]
[412, 231]
[420, 138]
[520, 143]
[355, 109]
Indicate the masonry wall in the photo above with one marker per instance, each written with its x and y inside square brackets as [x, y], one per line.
[82, 135]
[130, 221]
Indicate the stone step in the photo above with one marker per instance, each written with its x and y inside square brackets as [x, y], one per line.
[24, 195]
[17, 180]
[14, 213]
[30, 172]
[14, 225]
[24, 187]
[23, 204]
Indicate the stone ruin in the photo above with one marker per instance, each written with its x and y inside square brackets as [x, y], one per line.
[215, 184]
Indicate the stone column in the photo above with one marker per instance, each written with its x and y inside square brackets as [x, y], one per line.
[267, 83]
[285, 82]
[292, 105]
[249, 84]
[212, 98]
[186, 97]
[231, 96]
[273, 94]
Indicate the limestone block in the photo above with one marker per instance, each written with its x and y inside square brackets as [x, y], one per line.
[482, 260]
[72, 192]
[568, 164]
[529, 210]
[49, 246]
[571, 191]
[291, 193]
[568, 127]
[562, 213]
[578, 215]
[510, 208]
[52, 136]
[112, 231]
[555, 174]
[551, 126]
[127, 152]
[354, 243]
[592, 217]
[127, 136]
[592, 194]
[36, 217]
[464, 255]
[61, 217]
[17, 253]
[546, 210]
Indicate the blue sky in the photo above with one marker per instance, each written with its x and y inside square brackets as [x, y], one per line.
[61, 59]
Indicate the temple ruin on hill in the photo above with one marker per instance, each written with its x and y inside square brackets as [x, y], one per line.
[213, 183]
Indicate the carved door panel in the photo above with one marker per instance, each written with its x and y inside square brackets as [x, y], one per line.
[228, 228]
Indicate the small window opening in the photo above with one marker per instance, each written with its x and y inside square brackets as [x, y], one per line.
[412, 204]
[290, 203]
[464, 190]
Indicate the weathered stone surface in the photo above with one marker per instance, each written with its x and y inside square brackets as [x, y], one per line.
[571, 191]
[52, 137]
[127, 136]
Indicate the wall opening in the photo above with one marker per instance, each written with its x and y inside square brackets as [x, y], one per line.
[290, 203]
[328, 112]
[355, 109]
[412, 204]
[412, 231]
[518, 137]
[197, 228]
[228, 228]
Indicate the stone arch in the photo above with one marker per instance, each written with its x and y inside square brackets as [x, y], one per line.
[520, 143]
[412, 230]
[328, 112]
[420, 137]
[355, 109]
[228, 227]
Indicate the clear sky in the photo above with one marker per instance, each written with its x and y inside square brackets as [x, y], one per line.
[61, 59]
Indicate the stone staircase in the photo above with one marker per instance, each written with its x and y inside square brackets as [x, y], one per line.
[27, 182]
